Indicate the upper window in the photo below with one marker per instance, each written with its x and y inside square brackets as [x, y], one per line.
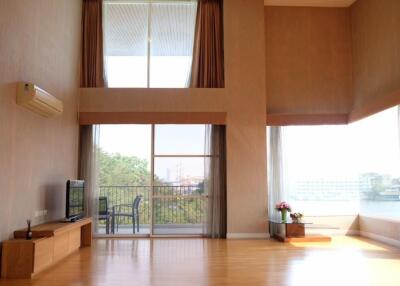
[149, 43]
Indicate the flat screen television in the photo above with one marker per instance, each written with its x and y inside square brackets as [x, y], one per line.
[75, 207]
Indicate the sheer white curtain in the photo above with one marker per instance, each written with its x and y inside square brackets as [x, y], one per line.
[277, 191]
[89, 142]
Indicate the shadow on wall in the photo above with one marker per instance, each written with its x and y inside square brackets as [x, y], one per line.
[354, 227]
[54, 201]
[333, 225]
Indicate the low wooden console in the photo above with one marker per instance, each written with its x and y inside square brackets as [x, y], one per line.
[51, 242]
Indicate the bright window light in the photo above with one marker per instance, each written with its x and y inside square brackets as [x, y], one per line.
[149, 43]
[346, 169]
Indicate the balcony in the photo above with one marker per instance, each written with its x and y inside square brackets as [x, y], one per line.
[175, 210]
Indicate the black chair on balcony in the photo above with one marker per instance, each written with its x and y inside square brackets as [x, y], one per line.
[127, 211]
[104, 213]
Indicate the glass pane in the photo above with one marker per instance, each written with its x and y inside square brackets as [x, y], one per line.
[319, 176]
[344, 170]
[125, 43]
[180, 139]
[179, 171]
[180, 215]
[378, 155]
[172, 36]
[126, 71]
[124, 175]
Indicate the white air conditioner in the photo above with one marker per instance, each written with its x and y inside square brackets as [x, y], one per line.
[38, 100]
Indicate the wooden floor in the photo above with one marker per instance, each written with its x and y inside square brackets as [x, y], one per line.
[344, 261]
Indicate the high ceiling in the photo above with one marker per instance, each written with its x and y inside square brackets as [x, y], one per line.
[311, 3]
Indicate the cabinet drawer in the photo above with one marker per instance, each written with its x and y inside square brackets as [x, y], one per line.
[74, 240]
[17, 258]
[61, 246]
[43, 254]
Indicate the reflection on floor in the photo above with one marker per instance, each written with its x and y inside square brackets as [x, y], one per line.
[344, 261]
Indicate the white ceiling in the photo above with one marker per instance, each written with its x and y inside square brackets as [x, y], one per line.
[311, 3]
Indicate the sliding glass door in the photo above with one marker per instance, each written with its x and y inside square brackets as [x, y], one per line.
[151, 180]
[179, 198]
[124, 179]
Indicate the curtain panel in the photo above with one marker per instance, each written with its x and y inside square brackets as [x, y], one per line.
[215, 183]
[276, 188]
[208, 51]
[276, 183]
[88, 150]
[92, 65]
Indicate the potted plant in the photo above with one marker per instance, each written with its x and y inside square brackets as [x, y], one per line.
[284, 208]
[296, 217]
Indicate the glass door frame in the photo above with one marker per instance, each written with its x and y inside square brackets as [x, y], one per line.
[151, 195]
[152, 181]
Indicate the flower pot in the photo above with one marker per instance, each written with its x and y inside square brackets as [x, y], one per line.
[284, 214]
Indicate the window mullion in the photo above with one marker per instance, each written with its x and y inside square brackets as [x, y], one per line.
[149, 42]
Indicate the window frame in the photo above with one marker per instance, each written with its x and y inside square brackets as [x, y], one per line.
[149, 34]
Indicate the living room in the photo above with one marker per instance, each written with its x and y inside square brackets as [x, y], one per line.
[208, 113]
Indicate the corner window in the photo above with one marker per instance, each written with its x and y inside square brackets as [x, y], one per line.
[339, 170]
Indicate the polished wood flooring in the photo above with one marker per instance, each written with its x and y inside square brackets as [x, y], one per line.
[344, 261]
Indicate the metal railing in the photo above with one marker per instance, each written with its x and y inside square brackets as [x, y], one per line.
[179, 205]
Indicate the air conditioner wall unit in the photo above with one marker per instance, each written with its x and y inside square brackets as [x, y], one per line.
[38, 100]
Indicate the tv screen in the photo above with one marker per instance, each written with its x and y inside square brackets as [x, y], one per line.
[75, 199]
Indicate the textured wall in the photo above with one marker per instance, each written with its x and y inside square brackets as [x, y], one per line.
[308, 60]
[40, 43]
[376, 42]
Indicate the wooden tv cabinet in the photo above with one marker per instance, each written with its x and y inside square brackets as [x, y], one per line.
[51, 242]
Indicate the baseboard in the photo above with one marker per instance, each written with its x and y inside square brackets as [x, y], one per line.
[247, 235]
[381, 238]
[351, 232]
[333, 232]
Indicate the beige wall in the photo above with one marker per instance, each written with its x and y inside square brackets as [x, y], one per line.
[39, 42]
[242, 100]
[333, 224]
[337, 61]
[376, 56]
[380, 229]
[308, 60]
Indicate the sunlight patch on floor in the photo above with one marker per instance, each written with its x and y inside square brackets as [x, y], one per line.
[344, 242]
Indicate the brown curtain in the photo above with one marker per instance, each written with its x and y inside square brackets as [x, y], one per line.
[92, 67]
[208, 51]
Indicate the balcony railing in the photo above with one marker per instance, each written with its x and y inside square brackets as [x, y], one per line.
[172, 205]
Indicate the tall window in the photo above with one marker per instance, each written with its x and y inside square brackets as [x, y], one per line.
[318, 177]
[340, 170]
[180, 158]
[148, 43]
[376, 148]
